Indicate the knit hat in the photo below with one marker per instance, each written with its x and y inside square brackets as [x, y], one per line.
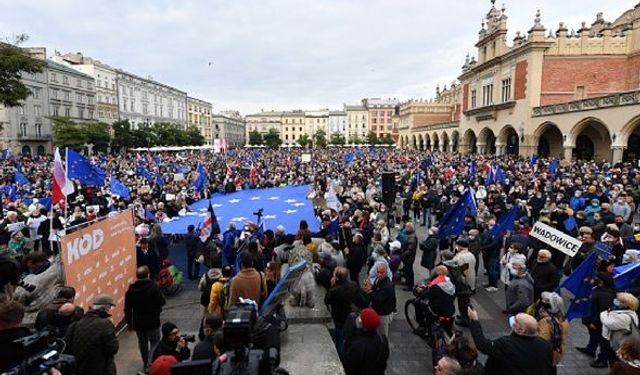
[370, 319]
[167, 327]
[162, 365]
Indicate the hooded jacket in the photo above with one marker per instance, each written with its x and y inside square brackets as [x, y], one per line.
[441, 294]
[617, 320]
[92, 340]
[143, 304]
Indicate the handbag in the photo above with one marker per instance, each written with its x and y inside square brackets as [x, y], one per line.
[617, 337]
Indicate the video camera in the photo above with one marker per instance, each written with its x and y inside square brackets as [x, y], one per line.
[39, 353]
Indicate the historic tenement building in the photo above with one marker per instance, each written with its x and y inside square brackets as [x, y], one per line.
[556, 93]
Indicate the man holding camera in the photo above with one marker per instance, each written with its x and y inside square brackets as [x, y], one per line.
[173, 343]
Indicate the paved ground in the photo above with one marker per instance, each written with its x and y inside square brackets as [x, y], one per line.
[409, 354]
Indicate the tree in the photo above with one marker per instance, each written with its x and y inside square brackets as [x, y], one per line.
[320, 139]
[387, 140]
[372, 139]
[98, 135]
[122, 138]
[67, 134]
[255, 138]
[143, 137]
[355, 140]
[14, 62]
[194, 137]
[272, 139]
[304, 140]
[337, 139]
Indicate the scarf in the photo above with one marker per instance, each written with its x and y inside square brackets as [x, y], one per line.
[556, 335]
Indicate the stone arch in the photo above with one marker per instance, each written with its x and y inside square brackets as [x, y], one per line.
[455, 141]
[445, 142]
[486, 142]
[26, 150]
[414, 142]
[630, 140]
[590, 140]
[41, 150]
[508, 141]
[470, 142]
[435, 142]
[549, 140]
[421, 143]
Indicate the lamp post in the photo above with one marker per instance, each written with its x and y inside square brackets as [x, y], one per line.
[146, 134]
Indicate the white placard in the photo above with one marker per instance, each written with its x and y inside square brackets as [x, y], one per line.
[305, 158]
[555, 238]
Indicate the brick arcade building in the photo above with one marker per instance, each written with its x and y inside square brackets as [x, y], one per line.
[550, 92]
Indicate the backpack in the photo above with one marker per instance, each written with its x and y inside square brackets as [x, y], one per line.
[165, 278]
[206, 291]
[224, 296]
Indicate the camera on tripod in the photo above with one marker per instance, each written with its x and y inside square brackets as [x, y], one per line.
[40, 352]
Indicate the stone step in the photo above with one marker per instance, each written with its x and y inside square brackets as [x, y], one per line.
[308, 349]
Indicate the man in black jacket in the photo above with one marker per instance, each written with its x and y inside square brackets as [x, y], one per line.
[339, 299]
[522, 352]
[382, 295]
[147, 257]
[172, 344]
[545, 275]
[142, 307]
[92, 339]
[367, 350]
[409, 256]
[192, 242]
[11, 315]
[355, 257]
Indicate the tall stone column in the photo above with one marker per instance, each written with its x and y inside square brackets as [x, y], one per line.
[500, 149]
[481, 148]
[568, 152]
[618, 154]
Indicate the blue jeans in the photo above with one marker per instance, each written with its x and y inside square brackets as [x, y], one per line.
[426, 217]
[339, 336]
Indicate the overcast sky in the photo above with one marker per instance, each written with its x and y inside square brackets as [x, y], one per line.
[283, 54]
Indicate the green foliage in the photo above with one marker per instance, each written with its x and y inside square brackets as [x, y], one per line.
[255, 138]
[272, 139]
[122, 138]
[194, 137]
[337, 139]
[304, 140]
[387, 140]
[372, 139]
[67, 133]
[98, 135]
[355, 140]
[320, 139]
[14, 62]
[143, 136]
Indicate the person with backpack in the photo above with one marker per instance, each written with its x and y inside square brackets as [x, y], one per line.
[219, 292]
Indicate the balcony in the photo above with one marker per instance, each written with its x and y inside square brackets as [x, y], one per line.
[33, 137]
[489, 112]
[615, 100]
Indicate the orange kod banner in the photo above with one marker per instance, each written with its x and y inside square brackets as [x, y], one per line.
[101, 259]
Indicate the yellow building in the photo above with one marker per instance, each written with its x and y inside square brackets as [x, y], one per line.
[199, 115]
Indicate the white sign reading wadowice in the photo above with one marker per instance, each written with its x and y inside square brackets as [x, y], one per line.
[555, 238]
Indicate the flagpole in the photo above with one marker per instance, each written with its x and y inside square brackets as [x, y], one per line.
[66, 173]
[51, 218]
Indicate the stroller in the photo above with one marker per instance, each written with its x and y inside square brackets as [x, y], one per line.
[170, 278]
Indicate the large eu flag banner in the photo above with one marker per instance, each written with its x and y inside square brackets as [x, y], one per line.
[281, 206]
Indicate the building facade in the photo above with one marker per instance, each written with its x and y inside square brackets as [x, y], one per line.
[293, 127]
[357, 123]
[554, 93]
[230, 126]
[380, 114]
[338, 123]
[262, 122]
[27, 129]
[145, 101]
[105, 83]
[315, 121]
[199, 115]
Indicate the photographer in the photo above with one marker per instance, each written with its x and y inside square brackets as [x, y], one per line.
[11, 314]
[172, 343]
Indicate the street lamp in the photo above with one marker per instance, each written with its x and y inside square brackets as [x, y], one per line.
[146, 133]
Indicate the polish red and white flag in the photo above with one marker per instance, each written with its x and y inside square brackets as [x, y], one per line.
[62, 186]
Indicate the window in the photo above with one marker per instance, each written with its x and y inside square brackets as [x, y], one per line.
[374, 120]
[90, 115]
[506, 90]
[133, 106]
[65, 80]
[67, 111]
[21, 110]
[487, 94]
[80, 113]
[101, 114]
[56, 111]
[67, 95]
[144, 108]
[23, 129]
[39, 130]
[78, 82]
[124, 106]
[54, 77]
[36, 93]
[80, 98]
[130, 91]
[36, 110]
[88, 85]
[53, 93]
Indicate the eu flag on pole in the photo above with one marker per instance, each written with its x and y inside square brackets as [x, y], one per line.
[534, 160]
[81, 169]
[4, 153]
[359, 153]
[452, 223]
[579, 283]
[491, 178]
[506, 222]
[119, 188]
[473, 171]
[159, 181]
[603, 250]
[570, 223]
[142, 171]
[348, 158]
[625, 274]
[20, 178]
[201, 182]
[553, 166]
[499, 175]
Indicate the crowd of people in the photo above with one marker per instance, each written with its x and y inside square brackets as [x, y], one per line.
[373, 249]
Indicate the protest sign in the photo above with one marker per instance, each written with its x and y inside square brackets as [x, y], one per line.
[555, 238]
[101, 259]
[305, 158]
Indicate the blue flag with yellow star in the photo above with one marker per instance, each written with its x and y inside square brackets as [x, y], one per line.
[452, 223]
[81, 169]
[579, 283]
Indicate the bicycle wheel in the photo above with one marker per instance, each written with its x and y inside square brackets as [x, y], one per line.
[410, 314]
